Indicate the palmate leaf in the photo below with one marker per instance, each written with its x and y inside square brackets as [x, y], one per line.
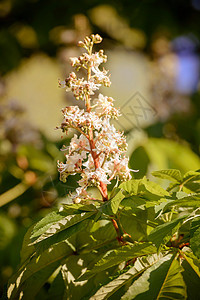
[43, 265]
[73, 208]
[26, 250]
[163, 280]
[63, 224]
[191, 176]
[170, 174]
[172, 186]
[134, 202]
[71, 270]
[57, 215]
[162, 233]
[45, 223]
[189, 182]
[192, 187]
[101, 236]
[57, 288]
[135, 224]
[131, 186]
[188, 201]
[30, 288]
[63, 235]
[111, 206]
[191, 275]
[140, 265]
[195, 237]
[115, 201]
[152, 188]
[143, 187]
[117, 256]
[193, 261]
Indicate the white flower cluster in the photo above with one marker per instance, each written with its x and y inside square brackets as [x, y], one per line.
[98, 153]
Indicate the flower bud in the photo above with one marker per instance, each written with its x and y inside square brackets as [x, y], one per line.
[97, 39]
[74, 61]
[81, 44]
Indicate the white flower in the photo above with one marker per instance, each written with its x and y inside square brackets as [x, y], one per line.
[79, 143]
[89, 164]
[98, 154]
[104, 106]
[96, 59]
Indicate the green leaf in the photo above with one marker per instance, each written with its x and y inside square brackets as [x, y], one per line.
[152, 188]
[140, 186]
[115, 201]
[134, 202]
[64, 224]
[190, 182]
[57, 288]
[191, 176]
[111, 206]
[131, 187]
[170, 174]
[102, 235]
[135, 224]
[105, 208]
[48, 261]
[191, 187]
[63, 235]
[191, 275]
[162, 233]
[73, 269]
[193, 261]
[172, 186]
[26, 250]
[195, 237]
[67, 209]
[163, 280]
[76, 208]
[140, 265]
[46, 223]
[116, 256]
[189, 201]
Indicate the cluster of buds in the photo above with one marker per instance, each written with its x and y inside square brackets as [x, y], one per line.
[98, 153]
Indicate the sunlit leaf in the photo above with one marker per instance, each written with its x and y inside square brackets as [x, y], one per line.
[63, 224]
[140, 265]
[27, 250]
[152, 188]
[195, 236]
[46, 223]
[169, 174]
[115, 257]
[48, 261]
[163, 280]
[162, 233]
[115, 201]
[191, 176]
[191, 275]
[189, 201]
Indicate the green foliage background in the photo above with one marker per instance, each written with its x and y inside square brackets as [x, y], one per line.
[30, 187]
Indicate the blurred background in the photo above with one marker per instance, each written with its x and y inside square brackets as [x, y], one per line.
[153, 50]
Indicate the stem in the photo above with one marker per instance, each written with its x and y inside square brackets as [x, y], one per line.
[13, 193]
[87, 97]
[79, 130]
[119, 231]
[112, 176]
[103, 186]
